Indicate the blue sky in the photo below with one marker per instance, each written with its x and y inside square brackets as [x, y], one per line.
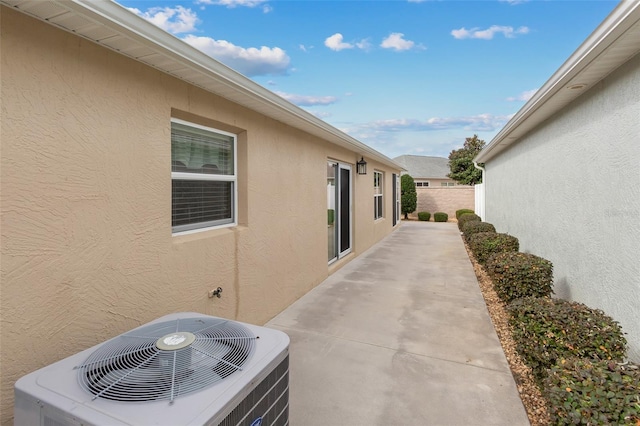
[404, 77]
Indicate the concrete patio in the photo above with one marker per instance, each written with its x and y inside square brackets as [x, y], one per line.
[399, 336]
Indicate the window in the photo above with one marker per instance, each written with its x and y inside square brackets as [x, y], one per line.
[448, 184]
[377, 195]
[203, 177]
[422, 184]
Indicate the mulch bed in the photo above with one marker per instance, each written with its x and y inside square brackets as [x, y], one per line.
[532, 399]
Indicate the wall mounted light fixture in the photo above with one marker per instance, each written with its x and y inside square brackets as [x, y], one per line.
[361, 166]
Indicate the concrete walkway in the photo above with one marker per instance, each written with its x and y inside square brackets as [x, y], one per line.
[399, 336]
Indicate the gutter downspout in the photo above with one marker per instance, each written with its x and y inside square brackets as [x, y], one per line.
[483, 198]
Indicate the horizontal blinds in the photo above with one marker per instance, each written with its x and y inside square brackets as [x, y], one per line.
[201, 202]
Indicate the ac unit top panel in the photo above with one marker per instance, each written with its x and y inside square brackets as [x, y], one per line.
[58, 387]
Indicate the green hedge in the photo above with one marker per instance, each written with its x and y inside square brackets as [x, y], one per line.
[467, 217]
[440, 217]
[547, 330]
[515, 275]
[474, 227]
[581, 391]
[425, 216]
[462, 211]
[485, 244]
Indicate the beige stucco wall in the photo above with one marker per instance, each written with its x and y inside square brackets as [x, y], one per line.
[444, 199]
[87, 251]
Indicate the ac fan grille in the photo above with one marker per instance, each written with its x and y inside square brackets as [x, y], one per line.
[131, 368]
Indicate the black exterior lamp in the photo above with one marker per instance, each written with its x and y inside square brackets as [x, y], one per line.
[361, 166]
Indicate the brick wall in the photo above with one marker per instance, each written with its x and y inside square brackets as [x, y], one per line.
[444, 199]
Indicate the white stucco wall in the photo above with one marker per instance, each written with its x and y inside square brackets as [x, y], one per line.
[570, 191]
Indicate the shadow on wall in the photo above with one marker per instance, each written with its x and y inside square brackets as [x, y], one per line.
[561, 289]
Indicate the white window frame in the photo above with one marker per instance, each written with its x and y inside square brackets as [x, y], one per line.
[378, 194]
[208, 225]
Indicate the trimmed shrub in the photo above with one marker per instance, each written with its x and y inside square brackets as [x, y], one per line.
[485, 244]
[580, 391]
[473, 227]
[547, 330]
[467, 217]
[440, 217]
[424, 216]
[462, 211]
[517, 275]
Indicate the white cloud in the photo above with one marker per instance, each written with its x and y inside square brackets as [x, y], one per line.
[304, 100]
[514, 2]
[320, 114]
[248, 61]
[234, 3]
[336, 42]
[508, 32]
[524, 96]
[480, 123]
[397, 42]
[175, 20]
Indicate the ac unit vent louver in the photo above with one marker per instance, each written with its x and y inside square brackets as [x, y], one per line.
[163, 361]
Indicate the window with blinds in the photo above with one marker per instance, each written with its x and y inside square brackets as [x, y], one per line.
[203, 174]
[377, 195]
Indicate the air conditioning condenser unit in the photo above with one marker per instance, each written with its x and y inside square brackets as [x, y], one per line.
[181, 369]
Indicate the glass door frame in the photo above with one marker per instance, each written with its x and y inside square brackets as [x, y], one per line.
[343, 210]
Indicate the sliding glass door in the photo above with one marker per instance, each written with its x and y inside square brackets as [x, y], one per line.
[338, 210]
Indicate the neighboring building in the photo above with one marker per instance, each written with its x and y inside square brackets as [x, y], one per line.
[563, 175]
[436, 191]
[114, 135]
[427, 172]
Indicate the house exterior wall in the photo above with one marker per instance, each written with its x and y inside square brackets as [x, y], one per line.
[570, 192]
[87, 250]
[444, 199]
[434, 182]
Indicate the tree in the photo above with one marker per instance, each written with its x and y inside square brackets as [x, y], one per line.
[408, 195]
[461, 162]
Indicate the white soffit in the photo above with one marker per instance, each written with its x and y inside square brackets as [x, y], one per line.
[614, 42]
[113, 26]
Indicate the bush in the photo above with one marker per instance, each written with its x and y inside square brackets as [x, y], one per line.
[408, 195]
[484, 244]
[474, 227]
[424, 216]
[547, 330]
[517, 275]
[580, 391]
[440, 217]
[467, 217]
[462, 211]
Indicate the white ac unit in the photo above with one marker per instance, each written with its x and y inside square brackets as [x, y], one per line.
[181, 369]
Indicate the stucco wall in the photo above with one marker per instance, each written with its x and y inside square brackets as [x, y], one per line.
[570, 191]
[87, 251]
[444, 199]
